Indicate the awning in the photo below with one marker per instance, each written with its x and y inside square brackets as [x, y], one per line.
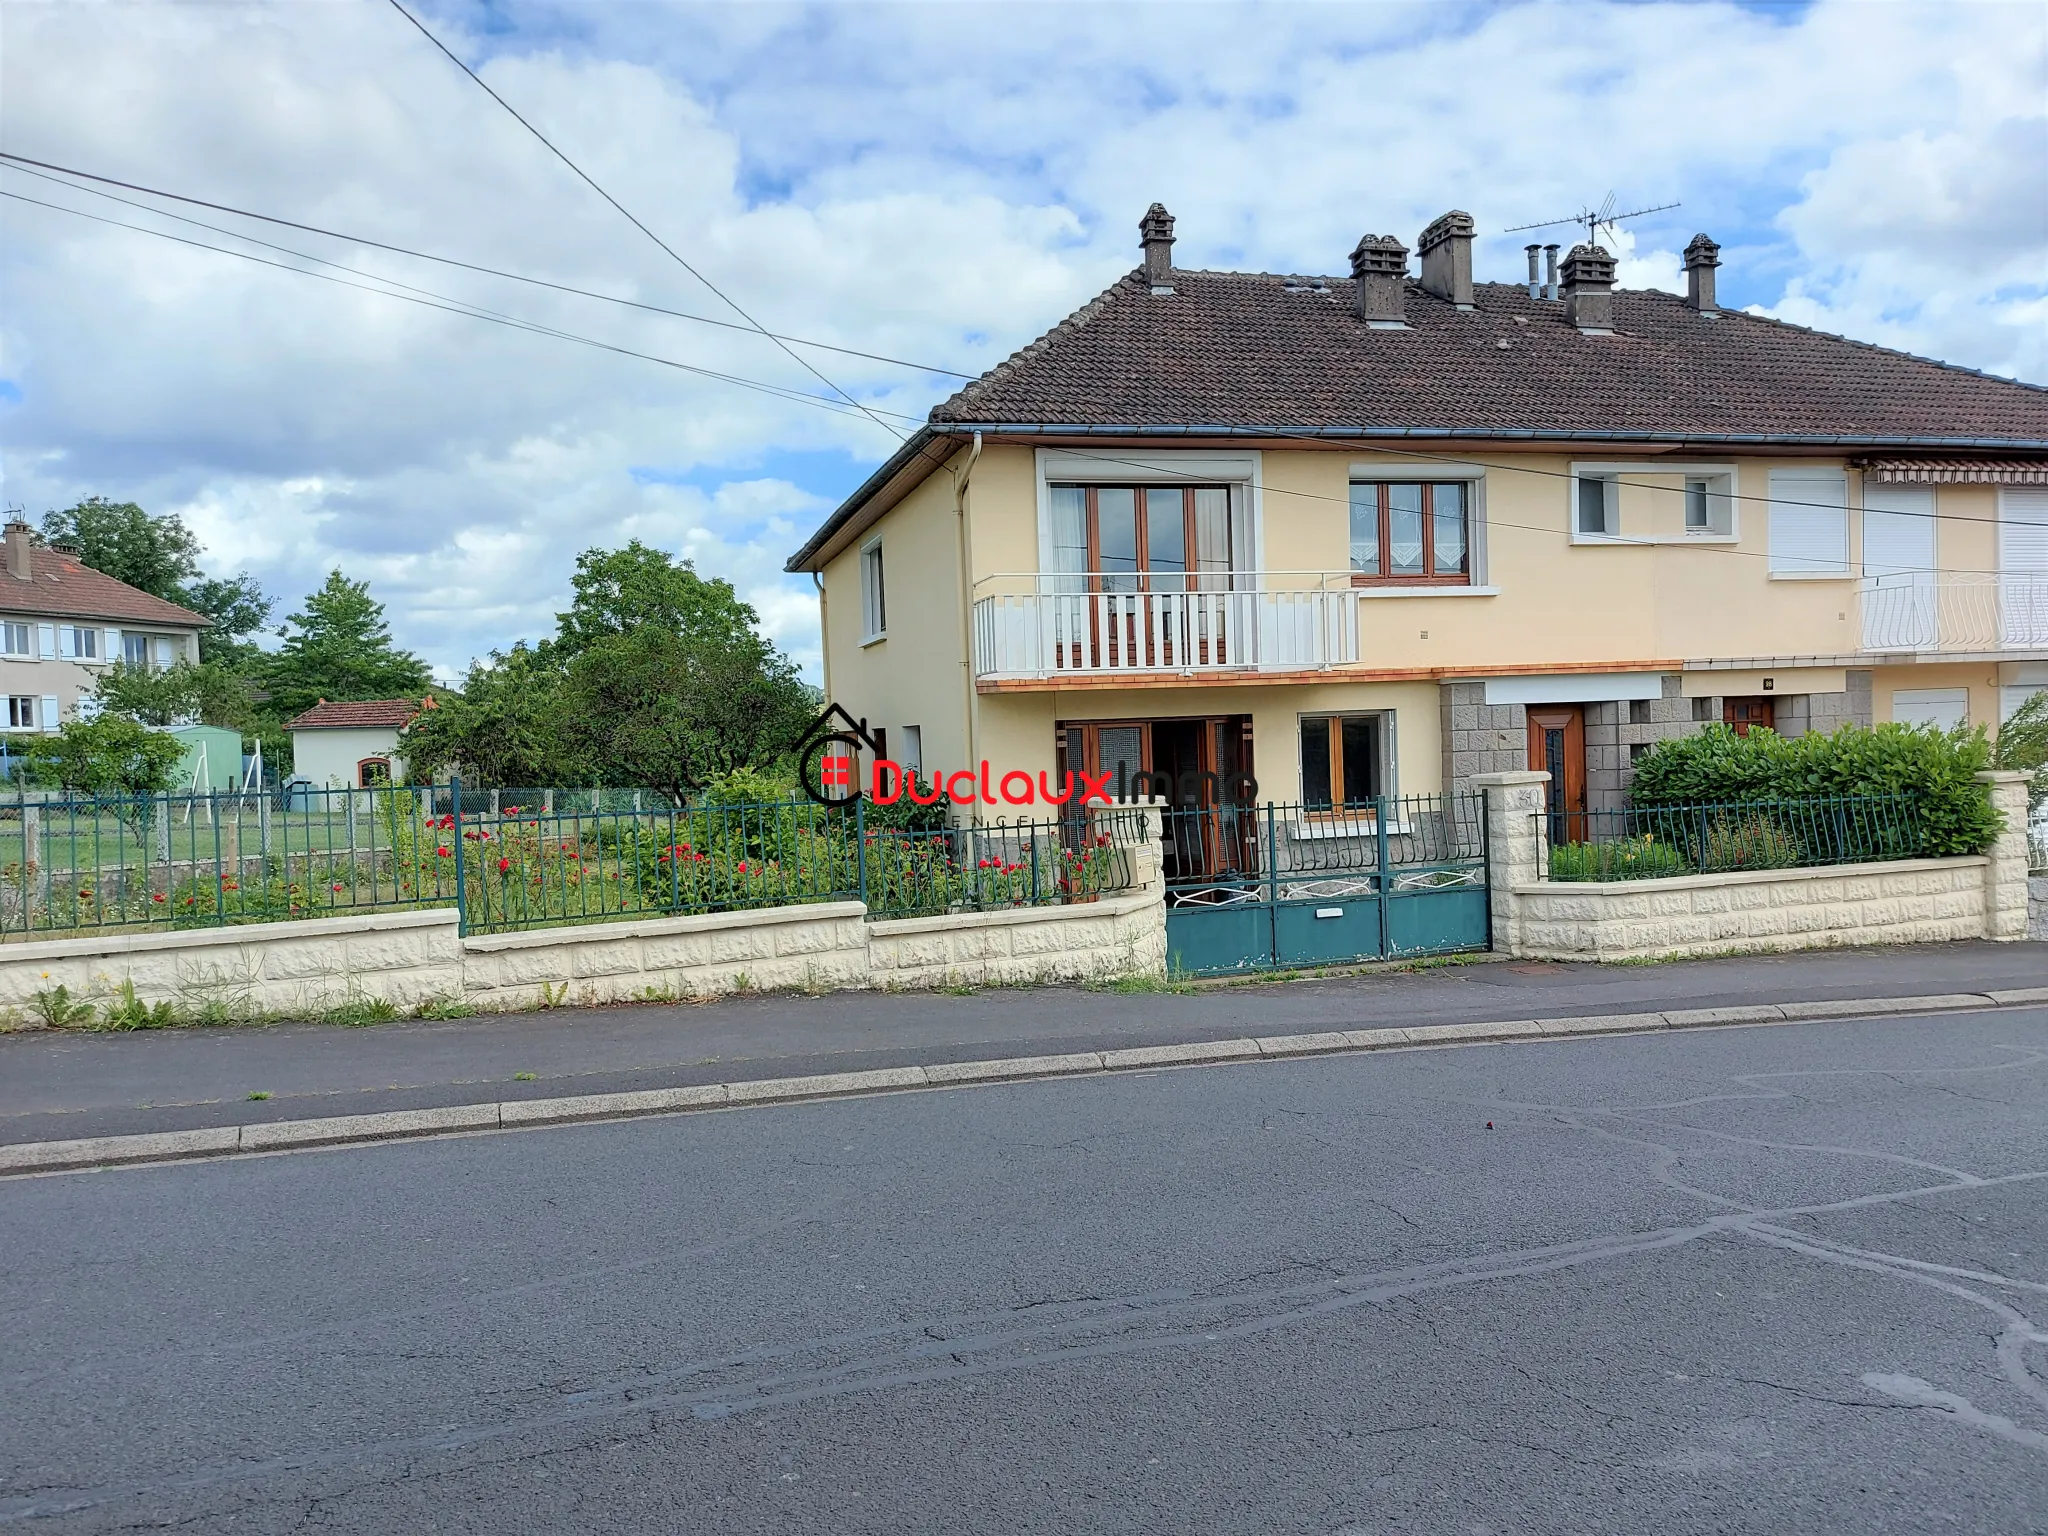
[1955, 471]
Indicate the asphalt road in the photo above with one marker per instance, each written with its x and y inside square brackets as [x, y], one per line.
[1775, 1280]
[56, 1084]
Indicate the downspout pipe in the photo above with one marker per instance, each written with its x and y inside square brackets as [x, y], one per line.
[824, 633]
[961, 476]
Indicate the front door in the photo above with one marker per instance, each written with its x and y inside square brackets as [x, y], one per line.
[1557, 746]
[1746, 715]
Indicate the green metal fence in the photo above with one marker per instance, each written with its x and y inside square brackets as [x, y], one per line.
[70, 865]
[1657, 842]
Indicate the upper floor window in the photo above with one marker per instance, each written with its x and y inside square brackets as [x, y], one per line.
[1410, 531]
[1651, 503]
[1152, 538]
[135, 650]
[874, 608]
[1809, 522]
[17, 639]
[77, 643]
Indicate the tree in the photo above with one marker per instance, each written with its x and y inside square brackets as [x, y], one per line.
[503, 728]
[619, 591]
[340, 648]
[671, 713]
[160, 555]
[2022, 745]
[209, 693]
[112, 755]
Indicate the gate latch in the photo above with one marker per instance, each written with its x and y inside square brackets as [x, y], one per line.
[1329, 911]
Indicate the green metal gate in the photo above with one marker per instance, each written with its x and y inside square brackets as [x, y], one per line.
[1287, 887]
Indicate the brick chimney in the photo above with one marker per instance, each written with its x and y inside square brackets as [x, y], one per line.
[1446, 252]
[1380, 267]
[1701, 257]
[1589, 289]
[20, 547]
[1155, 232]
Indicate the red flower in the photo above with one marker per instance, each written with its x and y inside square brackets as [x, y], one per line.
[442, 850]
[511, 810]
[159, 896]
[229, 885]
[503, 865]
[743, 866]
[337, 885]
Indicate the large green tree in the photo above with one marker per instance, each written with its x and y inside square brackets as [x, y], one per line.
[671, 712]
[160, 555]
[503, 729]
[340, 647]
[210, 693]
[619, 591]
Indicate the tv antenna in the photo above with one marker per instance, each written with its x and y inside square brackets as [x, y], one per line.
[1595, 219]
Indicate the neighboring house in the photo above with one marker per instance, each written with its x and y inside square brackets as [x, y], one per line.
[63, 623]
[352, 746]
[1373, 535]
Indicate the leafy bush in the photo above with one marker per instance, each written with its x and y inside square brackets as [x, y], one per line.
[1934, 769]
[1749, 842]
[1630, 858]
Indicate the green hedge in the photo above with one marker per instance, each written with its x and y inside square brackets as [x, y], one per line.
[1936, 769]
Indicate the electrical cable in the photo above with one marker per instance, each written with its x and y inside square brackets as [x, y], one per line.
[458, 307]
[23, 163]
[673, 255]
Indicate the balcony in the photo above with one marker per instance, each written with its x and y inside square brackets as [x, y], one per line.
[1264, 622]
[1961, 613]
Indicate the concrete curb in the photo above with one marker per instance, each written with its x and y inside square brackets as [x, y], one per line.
[345, 1130]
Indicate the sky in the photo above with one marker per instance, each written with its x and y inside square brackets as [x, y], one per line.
[935, 184]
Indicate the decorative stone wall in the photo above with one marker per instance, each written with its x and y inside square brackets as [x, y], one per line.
[1479, 737]
[404, 958]
[1910, 901]
[409, 958]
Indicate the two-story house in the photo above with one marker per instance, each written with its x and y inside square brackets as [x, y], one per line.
[1372, 535]
[63, 623]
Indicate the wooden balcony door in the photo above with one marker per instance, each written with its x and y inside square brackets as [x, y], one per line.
[1557, 746]
[1142, 562]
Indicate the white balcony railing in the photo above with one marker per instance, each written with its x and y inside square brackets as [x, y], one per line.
[1955, 611]
[1251, 628]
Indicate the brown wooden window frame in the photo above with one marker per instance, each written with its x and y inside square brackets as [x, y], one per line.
[1380, 772]
[1429, 575]
[1192, 577]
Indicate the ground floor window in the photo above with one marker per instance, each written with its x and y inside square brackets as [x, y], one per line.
[1202, 767]
[1343, 760]
[21, 712]
[373, 772]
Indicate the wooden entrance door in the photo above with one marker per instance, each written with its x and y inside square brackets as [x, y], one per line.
[1745, 715]
[1557, 746]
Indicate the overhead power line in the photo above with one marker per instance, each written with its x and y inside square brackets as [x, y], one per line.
[675, 256]
[426, 298]
[38, 167]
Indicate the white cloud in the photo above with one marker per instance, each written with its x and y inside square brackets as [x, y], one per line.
[940, 184]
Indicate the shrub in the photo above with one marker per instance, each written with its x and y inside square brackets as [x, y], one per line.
[1630, 858]
[1935, 770]
[1749, 842]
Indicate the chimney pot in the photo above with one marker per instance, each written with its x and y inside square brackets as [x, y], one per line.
[1155, 233]
[1701, 257]
[1535, 280]
[1379, 265]
[1446, 251]
[20, 547]
[1589, 289]
[1550, 268]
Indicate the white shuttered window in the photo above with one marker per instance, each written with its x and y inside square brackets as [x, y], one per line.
[1809, 522]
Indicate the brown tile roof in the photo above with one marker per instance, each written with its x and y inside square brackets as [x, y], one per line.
[324, 716]
[1258, 355]
[1239, 349]
[61, 586]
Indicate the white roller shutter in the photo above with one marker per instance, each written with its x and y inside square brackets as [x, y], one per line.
[1809, 522]
[2023, 567]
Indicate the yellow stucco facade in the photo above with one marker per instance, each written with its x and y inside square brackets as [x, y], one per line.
[1695, 615]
